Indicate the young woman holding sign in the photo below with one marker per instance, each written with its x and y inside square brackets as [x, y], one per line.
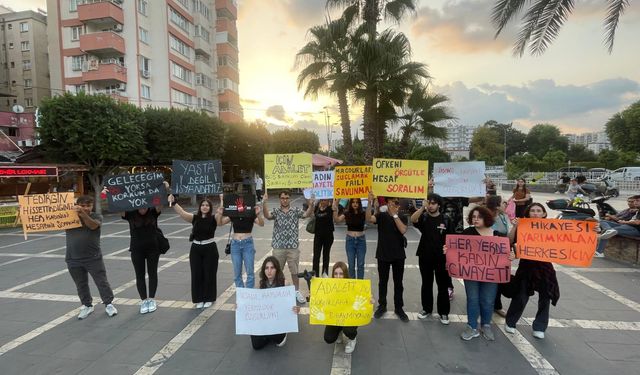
[203, 256]
[323, 236]
[521, 196]
[532, 276]
[356, 244]
[271, 276]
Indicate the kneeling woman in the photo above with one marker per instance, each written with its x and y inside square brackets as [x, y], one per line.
[271, 276]
[533, 276]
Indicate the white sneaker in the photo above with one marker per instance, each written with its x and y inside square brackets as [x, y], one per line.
[444, 319]
[207, 304]
[300, 298]
[152, 305]
[423, 315]
[144, 307]
[281, 343]
[509, 329]
[598, 255]
[111, 310]
[608, 234]
[350, 346]
[324, 275]
[199, 305]
[538, 334]
[85, 311]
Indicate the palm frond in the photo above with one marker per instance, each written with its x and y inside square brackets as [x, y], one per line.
[550, 22]
[396, 9]
[615, 8]
[531, 22]
[504, 11]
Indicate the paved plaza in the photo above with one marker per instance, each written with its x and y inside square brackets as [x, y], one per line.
[595, 329]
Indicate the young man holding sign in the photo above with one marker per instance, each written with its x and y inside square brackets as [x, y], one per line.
[390, 254]
[84, 257]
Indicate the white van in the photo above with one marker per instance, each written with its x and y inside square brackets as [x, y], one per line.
[626, 174]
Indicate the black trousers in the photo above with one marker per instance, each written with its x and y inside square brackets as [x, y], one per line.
[331, 333]
[259, 342]
[322, 246]
[383, 274]
[429, 266]
[520, 211]
[259, 194]
[79, 273]
[139, 258]
[203, 260]
[519, 302]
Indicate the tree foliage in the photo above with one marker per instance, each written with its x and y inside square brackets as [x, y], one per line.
[246, 145]
[515, 138]
[578, 153]
[486, 145]
[623, 129]
[544, 137]
[294, 140]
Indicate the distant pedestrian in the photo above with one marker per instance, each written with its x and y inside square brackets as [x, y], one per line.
[259, 185]
[521, 196]
[84, 258]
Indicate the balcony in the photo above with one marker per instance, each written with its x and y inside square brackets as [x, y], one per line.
[223, 24]
[108, 72]
[226, 9]
[105, 42]
[100, 11]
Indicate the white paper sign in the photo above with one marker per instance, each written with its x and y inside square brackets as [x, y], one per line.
[463, 179]
[322, 185]
[266, 311]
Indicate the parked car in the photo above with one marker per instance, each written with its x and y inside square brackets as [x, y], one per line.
[626, 174]
[575, 169]
[598, 170]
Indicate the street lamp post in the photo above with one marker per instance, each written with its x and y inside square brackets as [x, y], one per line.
[505, 147]
[328, 127]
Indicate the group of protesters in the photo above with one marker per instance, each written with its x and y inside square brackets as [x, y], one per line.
[434, 218]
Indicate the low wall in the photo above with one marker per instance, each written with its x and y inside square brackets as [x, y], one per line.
[539, 188]
[623, 249]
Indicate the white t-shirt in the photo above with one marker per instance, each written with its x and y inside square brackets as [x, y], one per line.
[258, 183]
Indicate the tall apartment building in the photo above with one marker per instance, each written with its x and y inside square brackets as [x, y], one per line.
[594, 141]
[228, 73]
[24, 67]
[458, 141]
[159, 53]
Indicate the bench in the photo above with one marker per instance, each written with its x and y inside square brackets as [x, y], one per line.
[623, 248]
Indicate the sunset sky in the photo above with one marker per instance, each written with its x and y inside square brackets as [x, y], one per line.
[576, 84]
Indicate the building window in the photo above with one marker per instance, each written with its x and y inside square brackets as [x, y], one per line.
[28, 102]
[73, 5]
[202, 32]
[142, 7]
[77, 62]
[80, 88]
[10, 45]
[13, 65]
[26, 64]
[181, 72]
[144, 36]
[204, 80]
[76, 31]
[145, 65]
[199, 6]
[9, 26]
[185, 3]
[205, 103]
[226, 60]
[24, 46]
[224, 107]
[145, 91]
[181, 97]
[24, 27]
[179, 46]
[179, 21]
[28, 83]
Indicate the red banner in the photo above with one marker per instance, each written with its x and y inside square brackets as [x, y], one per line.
[28, 171]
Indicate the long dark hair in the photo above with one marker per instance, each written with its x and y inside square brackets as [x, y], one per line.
[279, 279]
[139, 220]
[343, 267]
[524, 185]
[350, 208]
[210, 213]
[493, 203]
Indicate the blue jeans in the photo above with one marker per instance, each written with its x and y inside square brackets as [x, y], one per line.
[243, 250]
[356, 249]
[480, 299]
[623, 230]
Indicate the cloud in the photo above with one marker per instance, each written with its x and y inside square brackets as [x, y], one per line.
[303, 13]
[277, 112]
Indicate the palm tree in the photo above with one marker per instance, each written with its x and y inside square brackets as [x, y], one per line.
[325, 59]
[544, 18]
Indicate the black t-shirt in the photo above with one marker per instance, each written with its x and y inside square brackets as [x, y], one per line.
[390, 240]
[324, 221]
[204, 228]
[472, 231]
[433, 230]
[355, 222]
[452, 211]
[243, 224]
[143, 230]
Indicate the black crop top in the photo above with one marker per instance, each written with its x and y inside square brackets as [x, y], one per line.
[204, 228]
[355, 222]
[243, 224]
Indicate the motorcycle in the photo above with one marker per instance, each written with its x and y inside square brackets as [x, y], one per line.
[604, 186]
[580, 209]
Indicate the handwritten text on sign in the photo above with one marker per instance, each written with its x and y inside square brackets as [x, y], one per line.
[288, 170]
[352, 182]
[322, 185]
[265, 311]
[400, 178]
[132, 191]
[478, 258]
[197, 177]
[569, 242]
[340, 302]
[47, 212]
[464, 179]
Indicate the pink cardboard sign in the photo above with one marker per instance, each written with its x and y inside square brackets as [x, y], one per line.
[479, 258]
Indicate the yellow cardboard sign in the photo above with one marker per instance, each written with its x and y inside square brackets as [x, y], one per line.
[352, 182]
[48, 212]
[400, 178]
[288, 170]
[340, 302]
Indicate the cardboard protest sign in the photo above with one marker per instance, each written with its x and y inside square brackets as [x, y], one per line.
[322, 186]
[265, 311]
[239, 205]
[196, 177]
[288, 170]
[340, 302]
[352, 182]
[400, 178]
[569, 242]
[129, 192]
[463, 179]
[478, 258]
[48, 212]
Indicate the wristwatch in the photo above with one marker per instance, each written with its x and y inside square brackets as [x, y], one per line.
[395, 216]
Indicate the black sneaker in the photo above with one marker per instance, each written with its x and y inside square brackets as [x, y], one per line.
[380, 311]
[402, 315]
